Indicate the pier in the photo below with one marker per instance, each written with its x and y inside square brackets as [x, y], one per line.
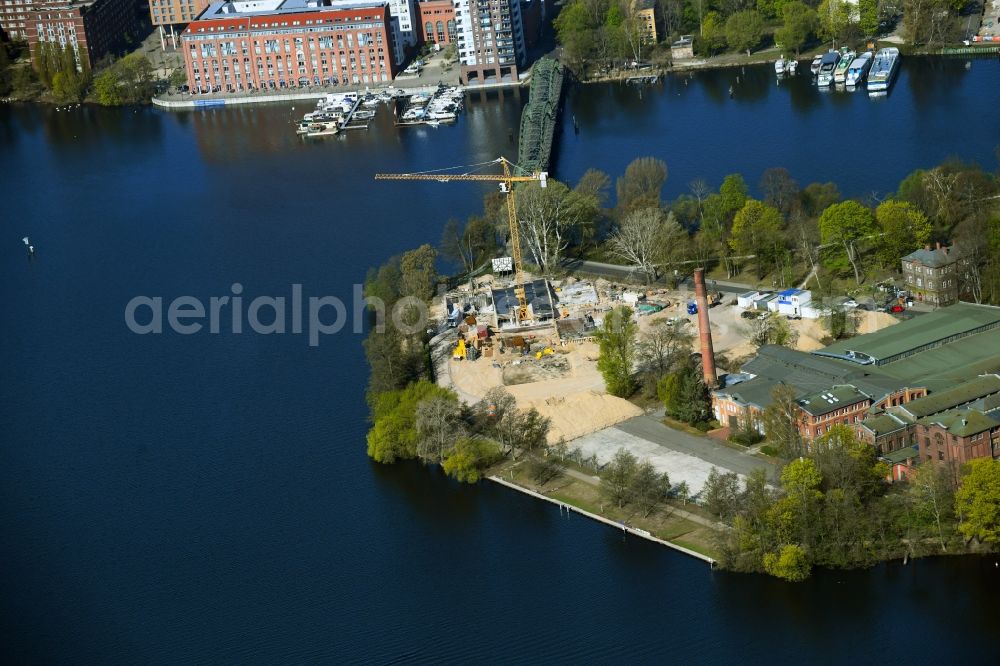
[540, 116]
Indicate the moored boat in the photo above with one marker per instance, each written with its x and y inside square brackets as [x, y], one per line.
[826, 68]
[779, 65]
[323, 129]
[858, 70]
[792, 66]
[883, 71]
[814, 67]
[840, 72]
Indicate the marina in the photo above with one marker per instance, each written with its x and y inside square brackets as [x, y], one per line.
[441, 106]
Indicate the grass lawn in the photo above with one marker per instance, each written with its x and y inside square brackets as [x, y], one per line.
[663, 524]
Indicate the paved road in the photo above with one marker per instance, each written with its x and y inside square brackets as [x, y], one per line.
[649, 427]
[619, 272]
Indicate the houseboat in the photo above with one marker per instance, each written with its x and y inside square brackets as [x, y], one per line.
[883, 70]
[840, 73]
[858, 70]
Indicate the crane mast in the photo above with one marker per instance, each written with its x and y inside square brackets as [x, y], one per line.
[506, 181]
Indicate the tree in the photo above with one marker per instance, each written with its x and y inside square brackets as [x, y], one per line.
[470, 246]
[869, 17]
[126, 81]
[417, 273]
[978, 501]
[394, 359]
[641, 185]
[800, 23]
[469, 457]
[713, 33]
[721, 493]
[546, 468]
[618, 477]
[649, 488]
[732, 195]
[549, 218]
[661, 348]
[791, 563]
[780, 189]
[744, 30]
[757, 231]
[394, 433]
[780, 419]
[685, 396]
[933, 499]
[439, 425]
[646, 238]
[844, 225]
[834, 19]
[617, 342]
[904, 228]
[817, 197]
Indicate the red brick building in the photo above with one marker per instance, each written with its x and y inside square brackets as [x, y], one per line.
[93, 28]
[14, 18]
[272, 44]
[958, 436]
[437, 21]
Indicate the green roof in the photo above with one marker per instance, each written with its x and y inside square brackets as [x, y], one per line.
[901, 455]
[957, 396]
[963, 422]
[943, 367]
[824, 402]
[883, 424]
[940, 327]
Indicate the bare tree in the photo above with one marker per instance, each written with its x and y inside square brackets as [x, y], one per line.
[636, 240]
[549, 218]
[439, 425]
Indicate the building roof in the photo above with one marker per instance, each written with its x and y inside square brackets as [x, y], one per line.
[901, 455]
[537, 294]
[935, 258]
[963, 394]
[921, 333]
[963, 422]
[883, 424]
[837, 397]
[236, 8]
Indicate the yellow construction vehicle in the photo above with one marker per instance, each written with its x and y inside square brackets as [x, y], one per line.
[459, 353]
[506, 180]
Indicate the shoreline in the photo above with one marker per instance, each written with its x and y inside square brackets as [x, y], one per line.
[607, 521]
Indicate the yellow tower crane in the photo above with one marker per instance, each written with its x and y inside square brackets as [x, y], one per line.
[506, 180]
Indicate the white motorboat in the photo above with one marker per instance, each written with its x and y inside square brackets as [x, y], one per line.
[779, 65]
[858, 70]
[826, 68]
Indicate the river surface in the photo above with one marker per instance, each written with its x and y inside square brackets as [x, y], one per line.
[207, 498]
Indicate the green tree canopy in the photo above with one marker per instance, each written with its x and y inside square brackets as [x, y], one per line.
[394, 431]
[744, 30]
[844, 225]
[904, 228]
[978, 501]
[757, 231]
[800, 22]
[617, 342]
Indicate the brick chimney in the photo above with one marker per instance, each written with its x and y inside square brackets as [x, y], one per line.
[704, 330]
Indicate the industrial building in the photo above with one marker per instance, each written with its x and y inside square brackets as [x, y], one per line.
[926, 389]
[272, 44]
[438, 20]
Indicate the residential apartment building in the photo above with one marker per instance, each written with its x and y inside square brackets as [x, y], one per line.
[174, 12]
[490, 40]
[273, 44]
[645, 13]
[405, 29]
[14, 18]
[959, 436]
[932, 275]
[93, 28]
[839, 405]
[438, 20]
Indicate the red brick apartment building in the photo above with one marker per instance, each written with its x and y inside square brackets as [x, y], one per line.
[272, 44]
[92, 27]
[437, 20]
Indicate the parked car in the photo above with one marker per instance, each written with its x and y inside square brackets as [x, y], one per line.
[897, 308]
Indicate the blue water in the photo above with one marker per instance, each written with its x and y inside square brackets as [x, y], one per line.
[168, 498]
